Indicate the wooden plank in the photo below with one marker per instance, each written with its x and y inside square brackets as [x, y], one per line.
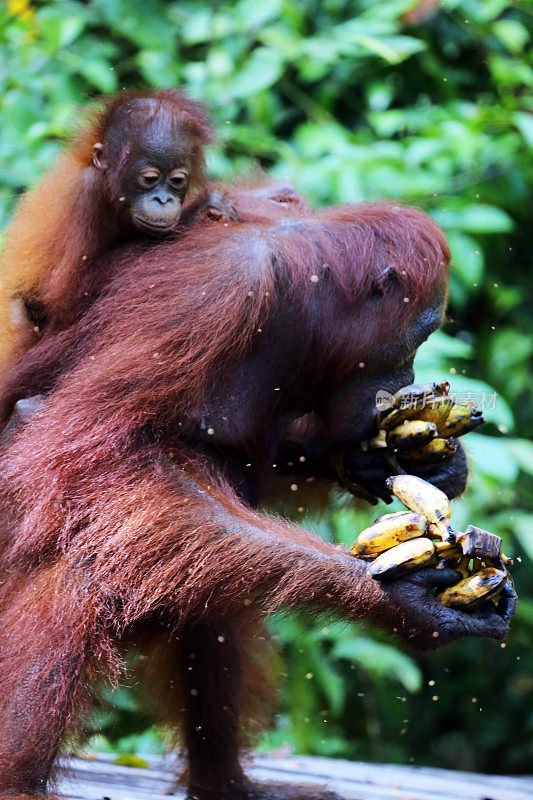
[99, 778]
[409, 775]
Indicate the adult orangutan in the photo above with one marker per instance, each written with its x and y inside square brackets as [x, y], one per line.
[126, 175]
[129, 498]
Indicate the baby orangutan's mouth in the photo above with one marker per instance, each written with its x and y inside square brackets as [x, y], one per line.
[155, 226]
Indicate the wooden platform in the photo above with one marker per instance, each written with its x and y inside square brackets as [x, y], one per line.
[100, 778]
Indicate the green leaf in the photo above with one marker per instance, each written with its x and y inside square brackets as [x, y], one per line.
[392, 49]
[59, 30]
[261, 71]
[121, 698]
[511, 33]
[99, 73]
[144, 22]
[523, 529]
[524, 611]
[255, 15]
[149, 742]
[159, 68]
[467, 258]
[380, 660]
[327, 678]
[524, 123]
[439, 351]
[491, 457]
[511, 72]
[475, 219]
[522, 451]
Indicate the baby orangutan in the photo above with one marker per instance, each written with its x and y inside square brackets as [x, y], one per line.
[127, 174]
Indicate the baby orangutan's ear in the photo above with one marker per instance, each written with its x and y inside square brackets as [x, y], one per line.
[99, 160]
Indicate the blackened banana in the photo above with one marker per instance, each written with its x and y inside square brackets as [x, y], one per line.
[410, 435]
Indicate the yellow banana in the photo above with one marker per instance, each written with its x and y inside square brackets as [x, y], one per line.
[404, 558]
[461, 420]
[410, 435]
[434, 451]
[388, 532]
[473, 590]
[448, 551]
[423, 498]
[437, 411]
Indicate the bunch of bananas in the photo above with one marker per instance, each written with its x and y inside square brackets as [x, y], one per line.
[416, 431]
[406, 541]
[420, 423]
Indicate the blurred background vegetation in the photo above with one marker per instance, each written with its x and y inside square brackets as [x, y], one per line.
[428, 102]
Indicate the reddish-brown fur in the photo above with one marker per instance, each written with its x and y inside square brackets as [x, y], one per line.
[128, 500]
[75, 214]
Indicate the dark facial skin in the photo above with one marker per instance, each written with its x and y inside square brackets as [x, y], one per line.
[156, 195]
[154, 160]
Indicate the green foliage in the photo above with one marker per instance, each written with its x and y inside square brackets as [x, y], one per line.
[350, 99]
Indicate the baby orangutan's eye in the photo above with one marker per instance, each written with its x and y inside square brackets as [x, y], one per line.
[178, 178]
[149, 178]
